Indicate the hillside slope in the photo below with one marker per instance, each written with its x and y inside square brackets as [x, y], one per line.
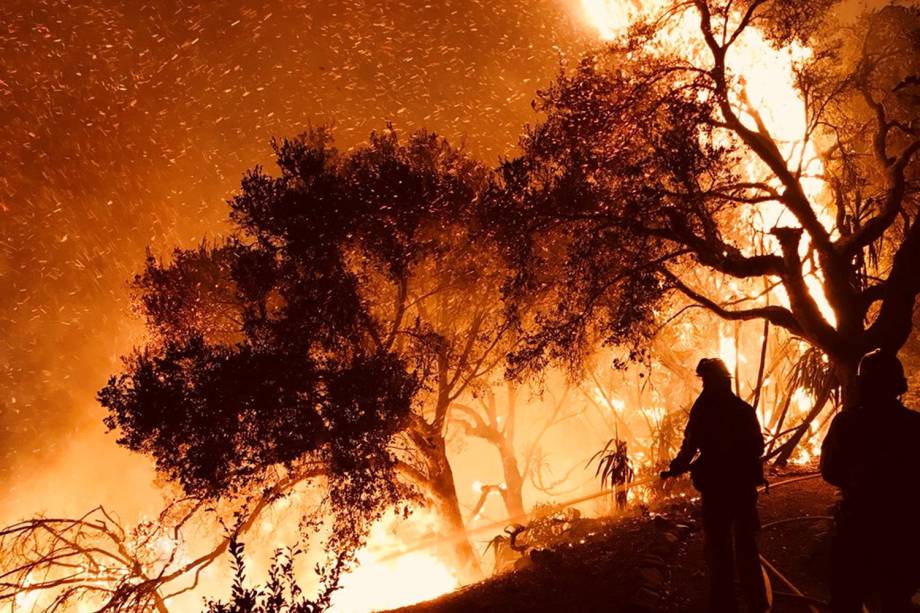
[654, 561]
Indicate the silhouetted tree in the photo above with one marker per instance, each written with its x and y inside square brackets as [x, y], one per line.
[264, 355]
[652, 156]
[484, 418]
[327, 331]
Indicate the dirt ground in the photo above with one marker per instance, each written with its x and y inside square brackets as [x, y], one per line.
[797, 545]
[654, 562]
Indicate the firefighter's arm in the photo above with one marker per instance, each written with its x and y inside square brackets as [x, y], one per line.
[688, 448]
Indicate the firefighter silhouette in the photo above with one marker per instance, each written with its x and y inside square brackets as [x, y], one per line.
[872, 453]
[722, 449]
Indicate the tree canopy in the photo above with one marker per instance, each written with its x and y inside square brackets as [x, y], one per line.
[655, 163]
[264, 351]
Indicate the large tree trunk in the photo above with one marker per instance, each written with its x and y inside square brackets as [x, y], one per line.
[444, 494]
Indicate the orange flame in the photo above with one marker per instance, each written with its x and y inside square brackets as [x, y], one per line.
[765, 85]
[381, 580]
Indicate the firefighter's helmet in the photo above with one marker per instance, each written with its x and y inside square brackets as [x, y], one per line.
[881, 373]
[712, 367]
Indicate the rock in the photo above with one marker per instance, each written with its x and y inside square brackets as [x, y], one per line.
[650, 577]
[645, 599]
[650, 559]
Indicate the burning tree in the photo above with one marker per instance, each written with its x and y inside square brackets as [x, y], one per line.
[677, 159]
[324, 343]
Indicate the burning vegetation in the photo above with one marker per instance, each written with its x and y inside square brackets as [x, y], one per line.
[317, 385]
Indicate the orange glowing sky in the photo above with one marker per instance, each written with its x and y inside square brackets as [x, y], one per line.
[125, 125]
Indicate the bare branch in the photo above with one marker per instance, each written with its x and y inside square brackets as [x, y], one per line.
[760, 142]
[774, 314]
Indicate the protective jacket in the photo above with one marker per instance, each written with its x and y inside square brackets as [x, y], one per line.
[872, 454]
[724, 431]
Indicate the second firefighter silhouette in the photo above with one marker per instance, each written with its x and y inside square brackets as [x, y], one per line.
[871, 453]
[722, 449]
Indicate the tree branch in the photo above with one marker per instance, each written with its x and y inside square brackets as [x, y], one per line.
[774, 314]
[894, 322]
[873, 229]
[760, 142]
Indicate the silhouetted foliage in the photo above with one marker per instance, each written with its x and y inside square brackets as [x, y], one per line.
[215, 417]
[281, 347]
[281, 594]
[614, 469]
[613, 464]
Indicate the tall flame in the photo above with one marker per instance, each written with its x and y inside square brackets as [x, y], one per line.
[766, 76]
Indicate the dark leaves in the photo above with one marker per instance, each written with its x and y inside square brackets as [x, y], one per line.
[267, 352]
[600, 199]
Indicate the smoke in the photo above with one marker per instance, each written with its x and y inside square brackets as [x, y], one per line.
[126, 125]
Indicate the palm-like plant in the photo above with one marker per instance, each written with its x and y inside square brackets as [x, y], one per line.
[614, 469]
